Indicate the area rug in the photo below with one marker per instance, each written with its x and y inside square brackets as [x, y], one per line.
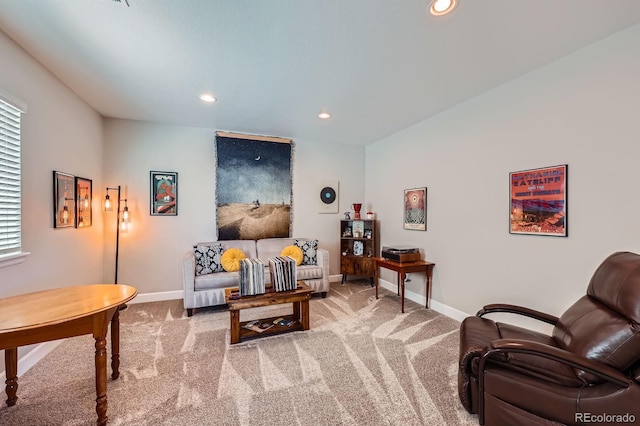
[362, 363]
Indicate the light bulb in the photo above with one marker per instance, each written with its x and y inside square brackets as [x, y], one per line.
[107, 203]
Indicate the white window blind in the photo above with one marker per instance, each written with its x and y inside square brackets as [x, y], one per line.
[10, 179]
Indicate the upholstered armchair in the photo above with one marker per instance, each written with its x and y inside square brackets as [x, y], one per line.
[586, 371]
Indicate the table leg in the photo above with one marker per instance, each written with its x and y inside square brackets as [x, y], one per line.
[428, 284]
[115, 345]
[235, 326]
[101, 380]
[402, 276]
[304, 310]
[296, 311]
[376, 272]
[398, 279]
[11, 369]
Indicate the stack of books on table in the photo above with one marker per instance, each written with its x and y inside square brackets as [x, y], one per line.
[251, 277]
[283, 273]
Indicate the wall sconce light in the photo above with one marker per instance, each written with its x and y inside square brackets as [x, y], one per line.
[122, 223]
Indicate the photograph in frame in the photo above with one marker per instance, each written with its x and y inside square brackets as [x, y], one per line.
[84, 201]
[415, 209]
[164, 193]
[538, 201]
[64, 200]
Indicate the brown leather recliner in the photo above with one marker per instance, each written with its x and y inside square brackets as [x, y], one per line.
[586, 371]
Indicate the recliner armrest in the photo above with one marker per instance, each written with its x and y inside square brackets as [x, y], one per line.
[520, 310]
[603, 371]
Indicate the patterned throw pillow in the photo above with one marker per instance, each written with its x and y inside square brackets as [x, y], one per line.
[293, 252]
[309, 250]
[208, 259]
[231, 259]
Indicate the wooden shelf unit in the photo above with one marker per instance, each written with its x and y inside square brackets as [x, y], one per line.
[359, 244]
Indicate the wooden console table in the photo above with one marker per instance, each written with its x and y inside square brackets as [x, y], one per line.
[299, 297]
[403, 269]
[60, 313]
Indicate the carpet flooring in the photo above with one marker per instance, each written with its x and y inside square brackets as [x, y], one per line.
[362, 363]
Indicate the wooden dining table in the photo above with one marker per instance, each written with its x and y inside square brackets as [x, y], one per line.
[60, 313]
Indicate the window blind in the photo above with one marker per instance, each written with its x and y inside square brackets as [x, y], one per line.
[10, 179]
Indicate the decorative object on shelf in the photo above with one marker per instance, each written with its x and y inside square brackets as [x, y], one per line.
[164, 193]
[346, 232]
[358, 229]
[539, 201]
[84, 201]
[347, 215]
[122, 220]
[368, 233]
[253, 179]
[328, 197]
[64, 200]
[356, 209]
[371, 215]
[415, 209]
[358, 248]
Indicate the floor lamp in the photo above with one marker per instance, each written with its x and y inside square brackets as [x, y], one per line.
[122, 225]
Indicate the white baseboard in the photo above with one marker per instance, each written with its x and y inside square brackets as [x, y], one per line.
[422, 300]
[32, 357]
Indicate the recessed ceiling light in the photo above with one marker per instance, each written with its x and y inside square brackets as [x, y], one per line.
[442, 7]
[324, 115]
[206, 97]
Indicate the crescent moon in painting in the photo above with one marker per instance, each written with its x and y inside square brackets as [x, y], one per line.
[257, 158]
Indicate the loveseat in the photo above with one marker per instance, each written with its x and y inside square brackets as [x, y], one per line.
[207, 289]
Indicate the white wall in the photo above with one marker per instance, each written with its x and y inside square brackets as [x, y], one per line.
[59, 132]
[581, 111]
[151, 253]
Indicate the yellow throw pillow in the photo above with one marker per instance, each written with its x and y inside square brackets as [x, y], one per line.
[293, 252]
[231, 259]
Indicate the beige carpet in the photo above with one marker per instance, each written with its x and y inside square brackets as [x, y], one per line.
[362, 363]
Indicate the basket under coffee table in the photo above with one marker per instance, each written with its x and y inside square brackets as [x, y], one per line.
[299, 297]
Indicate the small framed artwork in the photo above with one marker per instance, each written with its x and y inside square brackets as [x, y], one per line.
[538, 201]
[84, 200]
[164, 194]
[368, 233]
[415, 209]
[64, 200]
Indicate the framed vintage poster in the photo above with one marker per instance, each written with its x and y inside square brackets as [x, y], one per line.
[538, 201]
[64, 200]
[415, 209]
[164, 194]
[84, 200]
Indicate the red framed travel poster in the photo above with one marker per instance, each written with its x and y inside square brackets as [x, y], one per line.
[538, 201]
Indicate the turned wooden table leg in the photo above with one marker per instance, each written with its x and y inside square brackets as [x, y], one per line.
[115, 345]
[101, 380]
[11, 369]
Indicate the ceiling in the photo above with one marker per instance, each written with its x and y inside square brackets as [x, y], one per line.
[377, 66]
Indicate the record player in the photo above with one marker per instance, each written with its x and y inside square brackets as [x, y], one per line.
[401, 253]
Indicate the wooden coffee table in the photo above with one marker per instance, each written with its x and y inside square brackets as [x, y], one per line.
[299, 297]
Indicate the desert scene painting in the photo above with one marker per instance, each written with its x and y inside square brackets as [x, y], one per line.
[253, 188]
